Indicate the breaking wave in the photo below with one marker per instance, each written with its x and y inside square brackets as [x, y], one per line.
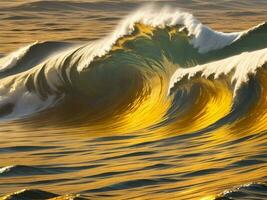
[160, 69]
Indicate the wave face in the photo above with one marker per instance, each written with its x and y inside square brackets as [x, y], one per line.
[161, 79]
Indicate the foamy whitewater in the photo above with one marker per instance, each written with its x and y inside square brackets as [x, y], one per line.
[176, 104]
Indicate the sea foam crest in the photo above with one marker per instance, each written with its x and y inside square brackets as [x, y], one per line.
[9, 61]
[241, 65]
[204, 38]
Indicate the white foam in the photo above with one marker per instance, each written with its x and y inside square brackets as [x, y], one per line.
[9, 61]
[24, 102]
[241, 65]
[5, 169]
[205, 39]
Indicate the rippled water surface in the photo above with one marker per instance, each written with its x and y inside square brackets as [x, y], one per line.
[133, 99]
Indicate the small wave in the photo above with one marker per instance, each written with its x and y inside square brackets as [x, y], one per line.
[29, 56]
[12, 59]
[245, 192]
[26, 194]
[22, 170]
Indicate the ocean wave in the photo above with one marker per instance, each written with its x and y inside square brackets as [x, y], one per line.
[123, 80]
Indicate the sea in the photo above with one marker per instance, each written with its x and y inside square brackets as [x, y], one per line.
[133, 99]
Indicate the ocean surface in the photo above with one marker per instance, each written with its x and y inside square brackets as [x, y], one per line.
[129, 99]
